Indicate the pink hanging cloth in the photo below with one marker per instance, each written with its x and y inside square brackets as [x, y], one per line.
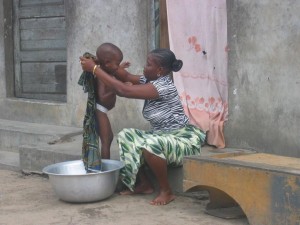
[198, 36]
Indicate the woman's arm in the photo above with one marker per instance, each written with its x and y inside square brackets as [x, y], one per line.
[123, 75]
[142, 91]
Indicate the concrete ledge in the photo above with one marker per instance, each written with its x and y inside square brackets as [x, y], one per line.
[9, 161]
[35, 158]
[35, 111]
[16, 133]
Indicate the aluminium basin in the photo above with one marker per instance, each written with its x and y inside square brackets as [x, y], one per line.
[72, 183]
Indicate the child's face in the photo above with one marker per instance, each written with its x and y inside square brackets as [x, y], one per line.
[151, 69]
[109, 64]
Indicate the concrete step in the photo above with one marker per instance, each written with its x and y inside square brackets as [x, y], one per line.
[15, 133]
[35, 158]
[9, 160]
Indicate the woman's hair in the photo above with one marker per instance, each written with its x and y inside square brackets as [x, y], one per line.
[167, 59]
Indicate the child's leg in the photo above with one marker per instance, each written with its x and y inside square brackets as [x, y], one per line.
[105, 134]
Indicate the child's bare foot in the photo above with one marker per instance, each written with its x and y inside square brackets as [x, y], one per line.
[140, 189]
[163, 198]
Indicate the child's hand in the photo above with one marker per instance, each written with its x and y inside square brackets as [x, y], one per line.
[128, 83]
[125, 65]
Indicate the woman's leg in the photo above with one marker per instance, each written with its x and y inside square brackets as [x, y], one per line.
[159, 168]
[144, 185]
[129, 141]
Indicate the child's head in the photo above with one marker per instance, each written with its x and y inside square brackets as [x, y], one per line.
[160, 62]
[109, 57]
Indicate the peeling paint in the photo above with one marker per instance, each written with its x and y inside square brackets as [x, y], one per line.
[237, 107]
[234, 91]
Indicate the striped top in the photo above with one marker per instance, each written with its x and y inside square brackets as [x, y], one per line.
[165, 113]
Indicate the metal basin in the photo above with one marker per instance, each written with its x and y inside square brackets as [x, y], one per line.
[72, 183]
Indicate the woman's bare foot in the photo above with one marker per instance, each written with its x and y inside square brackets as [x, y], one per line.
[140, 189]
[163, 198]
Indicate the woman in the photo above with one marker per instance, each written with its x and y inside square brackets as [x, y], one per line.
[171, 137]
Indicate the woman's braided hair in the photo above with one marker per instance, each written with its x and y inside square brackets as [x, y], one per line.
[167, 59]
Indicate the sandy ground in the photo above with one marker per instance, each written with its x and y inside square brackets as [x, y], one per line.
[30, 200]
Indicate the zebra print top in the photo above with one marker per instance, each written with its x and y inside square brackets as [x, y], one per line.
[165, 113]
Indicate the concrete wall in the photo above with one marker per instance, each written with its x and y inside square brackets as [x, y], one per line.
[89, 23]
[264, 76]
[2, 71]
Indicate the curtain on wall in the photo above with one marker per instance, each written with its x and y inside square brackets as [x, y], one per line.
[198, 36]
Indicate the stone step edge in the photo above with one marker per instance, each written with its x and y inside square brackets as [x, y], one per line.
[9, 160]
[37, 128]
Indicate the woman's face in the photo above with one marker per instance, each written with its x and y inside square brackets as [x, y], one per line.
[152, 68]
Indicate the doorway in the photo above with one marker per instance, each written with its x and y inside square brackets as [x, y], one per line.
[40, 49]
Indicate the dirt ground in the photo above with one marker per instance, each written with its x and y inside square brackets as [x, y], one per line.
[30, 200]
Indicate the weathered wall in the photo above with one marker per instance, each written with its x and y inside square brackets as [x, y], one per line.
[94, 22]
[2, 72]
[89, 23]
[264, 76]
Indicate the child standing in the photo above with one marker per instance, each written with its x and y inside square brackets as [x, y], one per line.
[109, 57]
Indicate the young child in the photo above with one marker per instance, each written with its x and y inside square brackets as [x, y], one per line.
[109, 57]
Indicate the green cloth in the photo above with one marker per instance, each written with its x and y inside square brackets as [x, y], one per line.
[171, 146]
[90, 146]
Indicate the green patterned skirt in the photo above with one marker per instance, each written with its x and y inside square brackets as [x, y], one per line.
[171, 146]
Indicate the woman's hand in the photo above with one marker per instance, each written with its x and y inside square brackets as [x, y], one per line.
[87, 64]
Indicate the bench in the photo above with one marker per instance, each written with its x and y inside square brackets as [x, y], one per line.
[265, 187]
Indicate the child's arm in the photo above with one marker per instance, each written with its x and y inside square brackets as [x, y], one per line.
[125, 64]
[124, 76]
